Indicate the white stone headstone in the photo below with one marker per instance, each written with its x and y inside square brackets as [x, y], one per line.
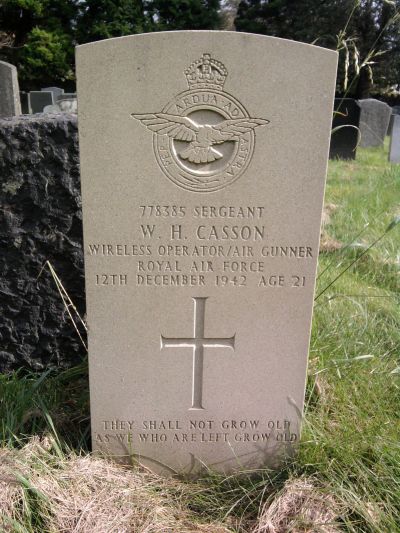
[202, 182]
[374, 122]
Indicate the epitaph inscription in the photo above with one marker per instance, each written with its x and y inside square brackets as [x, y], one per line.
[201, 231]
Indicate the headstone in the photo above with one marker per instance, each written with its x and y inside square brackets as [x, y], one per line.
[345, 129]
[66, 96]
[202, 184]
[10, 105]
[374, 122]
[38, 100]
[24, 102]
[395, 111]
[57, 91]
[394, 150]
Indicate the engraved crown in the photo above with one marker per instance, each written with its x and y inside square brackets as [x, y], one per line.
[206, 73]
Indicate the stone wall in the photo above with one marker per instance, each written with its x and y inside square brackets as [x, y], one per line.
[40, 220]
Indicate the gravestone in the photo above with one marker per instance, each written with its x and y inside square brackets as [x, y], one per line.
[10, 105]
[395, 111]
[394, 150]
[57, 91]
[374, 122]
[66, 96]
[202, 184]
[345, 132]
[38, 100]
[24, 102]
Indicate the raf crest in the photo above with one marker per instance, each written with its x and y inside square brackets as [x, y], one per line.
[206, 73]
[204, 138]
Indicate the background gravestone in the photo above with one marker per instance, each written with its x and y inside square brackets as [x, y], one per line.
[395, 111]
[10, 105]
[40, 220]
[38, 100]
[347, 119]
[24, 102]
[57, 91]
[66, 96]
[374, 122]
[394, 150]
[202, 186]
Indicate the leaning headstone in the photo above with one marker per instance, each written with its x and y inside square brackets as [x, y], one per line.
[38, 100]
[394, 150]
[202, 197]
[345, 129]
[10, 105]
[57, 91]
[374, 122]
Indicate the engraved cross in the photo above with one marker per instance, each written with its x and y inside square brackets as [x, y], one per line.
[198, 342]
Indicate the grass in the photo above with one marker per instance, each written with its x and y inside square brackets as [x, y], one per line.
[346, 475]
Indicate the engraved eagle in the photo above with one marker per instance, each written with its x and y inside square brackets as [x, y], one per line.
[201, 137]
